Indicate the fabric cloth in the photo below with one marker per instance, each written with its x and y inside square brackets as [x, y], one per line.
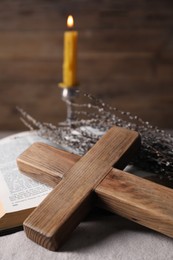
[101, 236]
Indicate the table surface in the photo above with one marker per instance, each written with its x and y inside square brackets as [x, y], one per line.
[101, 235]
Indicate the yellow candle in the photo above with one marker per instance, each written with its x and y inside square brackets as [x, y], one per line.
[70, 56]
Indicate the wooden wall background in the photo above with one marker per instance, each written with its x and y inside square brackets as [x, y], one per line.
[125, 57]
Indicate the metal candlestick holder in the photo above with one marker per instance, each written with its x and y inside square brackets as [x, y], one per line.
[68, 96]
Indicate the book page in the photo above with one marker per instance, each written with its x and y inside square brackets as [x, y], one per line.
[17, 191]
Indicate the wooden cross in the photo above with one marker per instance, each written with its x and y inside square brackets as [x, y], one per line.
[92, 180]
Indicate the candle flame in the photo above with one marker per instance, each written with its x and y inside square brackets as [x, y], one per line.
[70, 21]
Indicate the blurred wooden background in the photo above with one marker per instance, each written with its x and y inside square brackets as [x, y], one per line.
[125, 57]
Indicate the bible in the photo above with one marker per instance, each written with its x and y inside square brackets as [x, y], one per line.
[19, 195]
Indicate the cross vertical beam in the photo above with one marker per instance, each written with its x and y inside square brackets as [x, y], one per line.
[71, 200]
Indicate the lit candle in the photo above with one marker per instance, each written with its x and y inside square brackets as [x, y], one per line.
[70, 56]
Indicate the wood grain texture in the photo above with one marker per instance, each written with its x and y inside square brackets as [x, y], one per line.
[45, 163]
[132, 197]
[137, 199]
[125, 57]
[63, 209]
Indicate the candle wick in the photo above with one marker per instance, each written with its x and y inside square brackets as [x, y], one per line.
[70, 28]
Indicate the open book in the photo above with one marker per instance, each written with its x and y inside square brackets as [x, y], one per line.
[19, 195]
